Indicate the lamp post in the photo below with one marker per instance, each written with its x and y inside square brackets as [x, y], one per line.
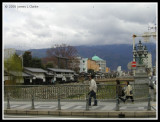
[140, 53]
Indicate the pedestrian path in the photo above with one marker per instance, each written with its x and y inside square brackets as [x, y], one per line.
[139, 106]
[74, 107]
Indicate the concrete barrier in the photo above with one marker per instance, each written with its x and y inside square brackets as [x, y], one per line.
[92, 114]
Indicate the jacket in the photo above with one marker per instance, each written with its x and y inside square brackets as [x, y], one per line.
[93, 86]
[119, 90]
[127, 90]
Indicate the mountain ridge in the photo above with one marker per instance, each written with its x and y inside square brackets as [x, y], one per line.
[115, 55]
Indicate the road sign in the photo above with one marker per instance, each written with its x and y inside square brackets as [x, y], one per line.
[133, 64]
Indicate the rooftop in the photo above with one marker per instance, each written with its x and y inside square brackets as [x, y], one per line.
[18, 73]
[34, 69]
[60, 70]
[96, 58]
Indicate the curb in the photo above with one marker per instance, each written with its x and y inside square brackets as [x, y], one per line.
[94, 114]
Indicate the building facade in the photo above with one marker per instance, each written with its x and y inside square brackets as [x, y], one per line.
[107, 69]
[60, 75]
[37, 73]
[148, 60]
[91, 64]
[83, 64]
[101, 63]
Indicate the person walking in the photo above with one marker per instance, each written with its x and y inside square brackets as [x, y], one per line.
[119, 91]
[128, 92]
[93, 90]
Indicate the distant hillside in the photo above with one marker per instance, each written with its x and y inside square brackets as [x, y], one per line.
[115, 55]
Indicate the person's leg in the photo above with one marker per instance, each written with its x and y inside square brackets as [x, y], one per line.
[132, 99]
[90, 98]
[126, 98]
[121, 99]
[95, 100]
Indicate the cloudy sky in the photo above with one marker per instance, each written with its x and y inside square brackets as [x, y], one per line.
[41, 25]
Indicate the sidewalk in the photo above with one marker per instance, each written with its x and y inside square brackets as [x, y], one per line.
[104, 109]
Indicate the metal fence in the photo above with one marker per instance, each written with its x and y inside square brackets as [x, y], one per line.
[69, 92]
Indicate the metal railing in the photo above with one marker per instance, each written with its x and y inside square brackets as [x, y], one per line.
[62, 92]
[69, 92]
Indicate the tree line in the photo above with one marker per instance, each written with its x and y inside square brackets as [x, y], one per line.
[58, 56]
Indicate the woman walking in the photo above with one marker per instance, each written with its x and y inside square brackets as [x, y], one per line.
[129, 93]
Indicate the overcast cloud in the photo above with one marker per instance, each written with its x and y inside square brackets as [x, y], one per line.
[75, 23]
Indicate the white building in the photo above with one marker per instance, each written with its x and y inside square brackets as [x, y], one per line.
[119, 70]
[83, 64]
[37, 73]
[148, 61]
[61, 74]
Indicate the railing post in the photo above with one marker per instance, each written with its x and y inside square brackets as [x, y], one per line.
[117, 104]
[59, 104]
[33, 101]
[87, 103]
[149, 102]
[8, 102]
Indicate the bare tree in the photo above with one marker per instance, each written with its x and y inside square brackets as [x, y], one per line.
[64, 53]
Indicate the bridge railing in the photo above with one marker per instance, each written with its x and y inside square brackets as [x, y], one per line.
[69, 92]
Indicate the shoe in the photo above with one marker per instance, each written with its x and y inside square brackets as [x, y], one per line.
[94, 105]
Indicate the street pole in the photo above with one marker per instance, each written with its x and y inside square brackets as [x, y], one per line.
[22, 61]
[133, 49]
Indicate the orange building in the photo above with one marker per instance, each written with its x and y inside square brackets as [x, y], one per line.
[91, 64]
[107, 69]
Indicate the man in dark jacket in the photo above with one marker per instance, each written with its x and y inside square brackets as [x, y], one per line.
[119, 91]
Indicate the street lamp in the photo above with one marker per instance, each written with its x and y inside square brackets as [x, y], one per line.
[140, 53]
[146, 36]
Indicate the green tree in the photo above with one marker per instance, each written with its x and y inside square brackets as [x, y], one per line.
[13, 65]
[36, 62]
[27, 59]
